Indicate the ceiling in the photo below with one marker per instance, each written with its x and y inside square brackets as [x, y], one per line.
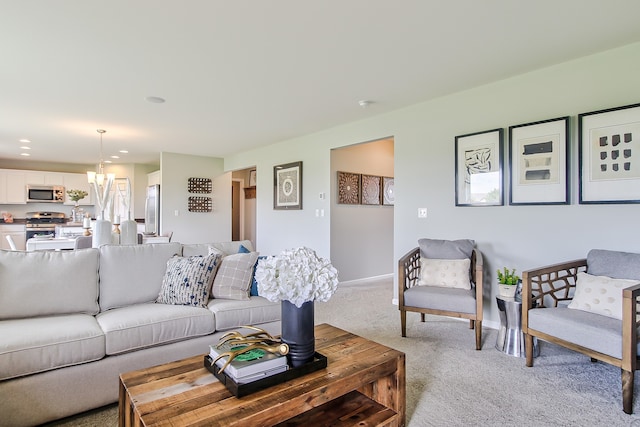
[242, 74]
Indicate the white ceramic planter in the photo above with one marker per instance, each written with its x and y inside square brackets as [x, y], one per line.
[507, 290]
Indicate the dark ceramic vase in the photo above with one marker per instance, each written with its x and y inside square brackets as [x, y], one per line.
[297, 332]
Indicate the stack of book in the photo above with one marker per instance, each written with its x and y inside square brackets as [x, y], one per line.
[251, 366]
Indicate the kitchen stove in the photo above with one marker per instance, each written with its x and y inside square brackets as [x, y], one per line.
[40, 224]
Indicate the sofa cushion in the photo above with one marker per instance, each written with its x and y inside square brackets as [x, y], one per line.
[614, 264]
[234, 276]
[132, 274]
[188, 280]
[233, 314]
[40, 344]
[446, 249]
[225, 248]
[44, 283]
[600, 294]
[589, 330]
[448, 273]
[147, 325]
[439, 298]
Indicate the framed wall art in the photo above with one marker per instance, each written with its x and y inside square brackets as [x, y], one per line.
[287, 182]
[371, 189]
[609, 153]
[388, 192]
[538, 163]
[348, 188]
[252, 178]
[478, 164]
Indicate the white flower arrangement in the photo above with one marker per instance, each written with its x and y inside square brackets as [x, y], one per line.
[296, 275]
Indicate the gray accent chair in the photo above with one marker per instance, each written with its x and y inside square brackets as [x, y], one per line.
[438, 300]
[546, 292]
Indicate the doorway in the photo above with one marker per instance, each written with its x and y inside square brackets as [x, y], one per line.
[236, 211]
[243, 205]
[362, 232]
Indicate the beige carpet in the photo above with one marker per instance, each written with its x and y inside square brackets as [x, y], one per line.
[449, 383]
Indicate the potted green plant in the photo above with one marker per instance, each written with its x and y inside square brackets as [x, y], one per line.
[508, 282]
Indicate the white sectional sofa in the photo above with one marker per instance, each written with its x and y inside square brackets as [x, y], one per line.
[72, 321]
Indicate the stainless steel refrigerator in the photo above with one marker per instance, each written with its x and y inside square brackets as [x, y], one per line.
[152, 210]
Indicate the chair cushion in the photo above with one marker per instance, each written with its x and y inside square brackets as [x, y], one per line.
[446, 249]
[41, 344]
[234, 276]
[62, 282]
[132, 274]
[147, 325]
[233, 314]
[600, 295]
[188, 280]
[439, 298]
[593, 331]
[614, 264]
[449, 273]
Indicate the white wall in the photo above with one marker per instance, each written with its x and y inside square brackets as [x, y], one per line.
[194, 227]
[521, 237]
[282, 229]
[362, 235]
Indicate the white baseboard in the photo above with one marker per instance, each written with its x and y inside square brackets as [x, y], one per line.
[366, 280]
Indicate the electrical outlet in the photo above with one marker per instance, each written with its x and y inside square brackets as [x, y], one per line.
[422, 212]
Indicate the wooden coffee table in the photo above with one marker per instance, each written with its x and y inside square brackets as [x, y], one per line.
[364, 382]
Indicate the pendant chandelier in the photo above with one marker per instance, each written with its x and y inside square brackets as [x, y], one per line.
[100, 182]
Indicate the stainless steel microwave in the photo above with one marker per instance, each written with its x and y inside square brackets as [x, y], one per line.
[45, 194]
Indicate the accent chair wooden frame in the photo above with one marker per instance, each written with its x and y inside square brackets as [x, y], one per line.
[547, 286]
[409, 275]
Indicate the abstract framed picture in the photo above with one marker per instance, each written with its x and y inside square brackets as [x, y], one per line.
[609, 153]
[348, 188]
[371, 186]
[538, 162]
[287, 182]
[478, 164]
[388, 191]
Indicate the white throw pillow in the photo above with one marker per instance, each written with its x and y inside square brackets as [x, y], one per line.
[447, 273]
[600, 294]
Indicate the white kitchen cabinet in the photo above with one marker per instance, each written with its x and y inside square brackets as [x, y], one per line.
[17, 233]
[15, 188]
[78, 181]
[153, 178]
[44, 178]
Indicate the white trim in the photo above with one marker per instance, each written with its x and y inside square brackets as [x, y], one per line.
[366, 280]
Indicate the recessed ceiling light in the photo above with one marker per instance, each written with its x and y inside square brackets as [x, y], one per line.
[155, 99]
[364, 103]
[115, 157]
[124, 151]
[25, 154]
[24, 147]
[25, 141]
[108, 161]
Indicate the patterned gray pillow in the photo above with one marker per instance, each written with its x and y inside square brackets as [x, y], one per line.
[234, 276]
[188, 280]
